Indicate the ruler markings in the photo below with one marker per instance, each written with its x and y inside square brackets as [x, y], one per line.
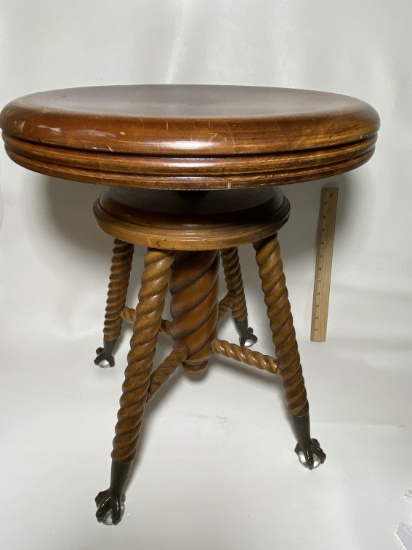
[323, 267]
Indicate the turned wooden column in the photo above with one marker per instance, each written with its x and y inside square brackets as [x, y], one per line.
[194, 306]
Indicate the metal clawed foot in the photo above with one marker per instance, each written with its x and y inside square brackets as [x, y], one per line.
[310, 456]
[246, 336]
[110, 503]
[308, 450]
[110, 507]
[105, 354]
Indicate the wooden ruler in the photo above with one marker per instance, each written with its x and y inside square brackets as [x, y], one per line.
[323, 269]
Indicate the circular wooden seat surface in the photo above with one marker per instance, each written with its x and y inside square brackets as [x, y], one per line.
[189, 136]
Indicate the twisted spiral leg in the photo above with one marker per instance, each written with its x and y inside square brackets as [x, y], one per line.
[233, 276]
[146, 328]
[284, 338]
[281, 324]
[234, 282]
[226, 304]
[116, 299]
[194, 306]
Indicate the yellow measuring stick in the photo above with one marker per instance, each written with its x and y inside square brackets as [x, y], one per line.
[323, 269]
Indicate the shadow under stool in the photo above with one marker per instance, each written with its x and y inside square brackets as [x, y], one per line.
[191, 173]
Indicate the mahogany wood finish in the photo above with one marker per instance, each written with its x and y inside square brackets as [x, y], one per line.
[191, 171]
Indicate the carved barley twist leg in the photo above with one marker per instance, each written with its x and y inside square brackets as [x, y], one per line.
[284, 338]
[146, 329]
[116, 299]
[233, 276]
[194, 306]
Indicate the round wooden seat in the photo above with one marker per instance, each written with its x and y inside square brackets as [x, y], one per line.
[189, 137]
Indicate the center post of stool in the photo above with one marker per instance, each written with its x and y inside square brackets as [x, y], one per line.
[194, 307]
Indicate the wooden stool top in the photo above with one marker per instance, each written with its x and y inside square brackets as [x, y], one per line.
[189, 137]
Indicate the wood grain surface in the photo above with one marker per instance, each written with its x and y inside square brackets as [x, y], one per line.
[191, 221]
[189, 137]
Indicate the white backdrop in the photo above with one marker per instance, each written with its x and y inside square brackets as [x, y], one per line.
[216, 468]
